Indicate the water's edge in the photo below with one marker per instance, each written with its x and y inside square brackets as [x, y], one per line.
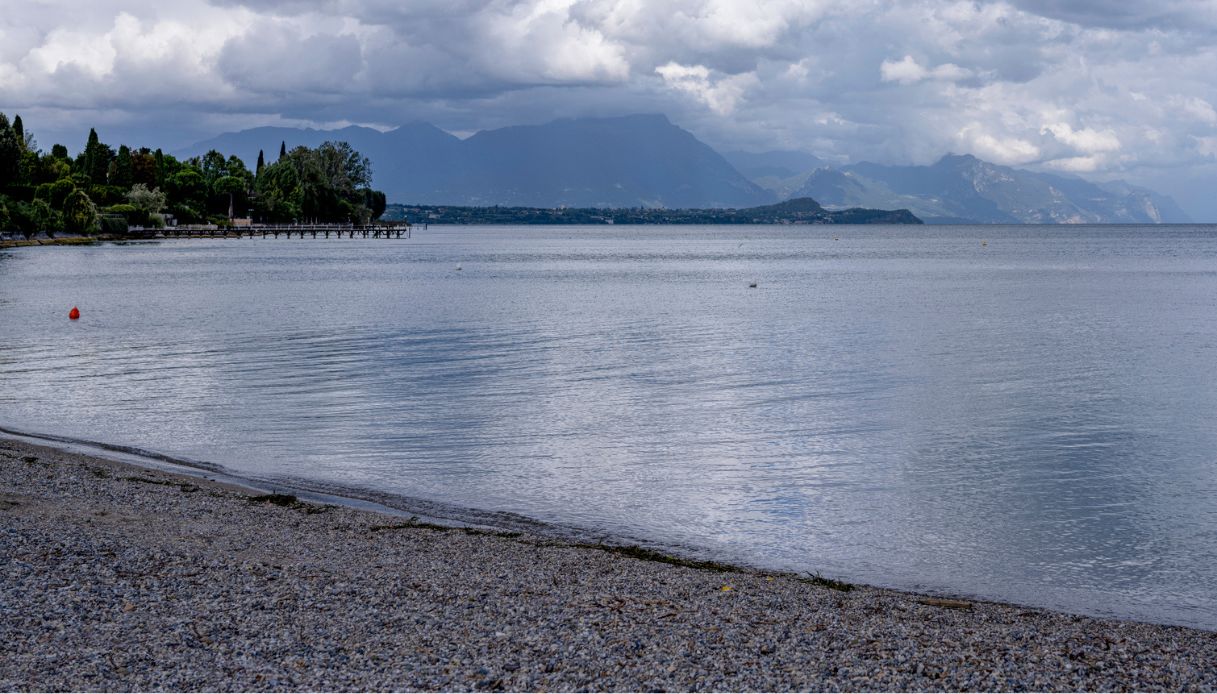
[451, 515]
[423, 510]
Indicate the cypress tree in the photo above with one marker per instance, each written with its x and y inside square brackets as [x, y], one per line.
[95, 164]
[19, 131]
[261, 163]
[282, 150]
[124, 169]
[10, 153]
[160, 167]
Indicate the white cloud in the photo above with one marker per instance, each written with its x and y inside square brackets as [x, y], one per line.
[1086, 140]
[1076, 164]
[721, 94]
[974, 139]
[909, 71]
[1196, 108]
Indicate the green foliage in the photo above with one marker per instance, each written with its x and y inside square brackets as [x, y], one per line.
[32, 217]
[51, 191]
[20, 191]
[376, 203]
[113, 225]
[50, 169]
[95, 160]
[159, 158]
[107, 195]
[5, 220]
[19, 131]
[187, 191]
[149, 201]
[280, 193]
[79, 213]
[143, 168]
[131, 213]
[54, 194]
[327, 184]
[122, 169]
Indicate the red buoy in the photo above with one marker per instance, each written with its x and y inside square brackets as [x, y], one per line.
[74, 313]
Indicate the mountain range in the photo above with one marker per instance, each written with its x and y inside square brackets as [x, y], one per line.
[632, 161]
[647, 161]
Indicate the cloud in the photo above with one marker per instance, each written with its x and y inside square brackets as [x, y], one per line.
[721, 94]
[1110, 89]
[975, 139]
[909, 71]
[1086, 140]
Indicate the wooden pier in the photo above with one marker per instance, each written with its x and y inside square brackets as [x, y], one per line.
[351, 231]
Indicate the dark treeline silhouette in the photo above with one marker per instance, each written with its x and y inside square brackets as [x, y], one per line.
[106, 190]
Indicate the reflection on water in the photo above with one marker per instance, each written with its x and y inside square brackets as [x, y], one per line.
[1029, 420]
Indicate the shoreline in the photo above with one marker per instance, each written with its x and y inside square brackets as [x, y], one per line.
[60, 241]
[119, 576]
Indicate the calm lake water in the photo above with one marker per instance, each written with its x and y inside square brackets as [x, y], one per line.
[1033, 419]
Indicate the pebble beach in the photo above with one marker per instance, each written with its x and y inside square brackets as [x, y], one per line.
[117, 577]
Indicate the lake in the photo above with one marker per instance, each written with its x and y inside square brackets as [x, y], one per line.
[1026, 414]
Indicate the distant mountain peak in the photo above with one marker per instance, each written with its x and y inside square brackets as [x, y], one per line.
[951, 159]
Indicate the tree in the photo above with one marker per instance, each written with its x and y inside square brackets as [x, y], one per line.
[79, 213]
[122, 171]
[55, 194]
[282, 149]
[375, 202]
[33, 217]
[19, 131]
[187, 193]
[10, 154]
[279, 193]
[5, 221]
[95, 159]
[143, 166]
[326, 184]
[159, 156]
[261, 164]
[344, 168]
[148, 201]
[59, 152]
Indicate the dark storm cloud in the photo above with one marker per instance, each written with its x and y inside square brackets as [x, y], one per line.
[1180, 15]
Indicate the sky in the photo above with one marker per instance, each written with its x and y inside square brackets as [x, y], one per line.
[1102, 89]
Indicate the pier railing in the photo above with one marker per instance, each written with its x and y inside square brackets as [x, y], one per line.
[367, 231]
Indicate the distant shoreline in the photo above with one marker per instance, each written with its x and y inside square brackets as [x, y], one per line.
[124, 577]
[797, 211]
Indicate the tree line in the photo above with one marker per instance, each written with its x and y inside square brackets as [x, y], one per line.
[104, 190]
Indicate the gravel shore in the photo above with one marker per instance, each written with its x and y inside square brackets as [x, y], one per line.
[120, 578]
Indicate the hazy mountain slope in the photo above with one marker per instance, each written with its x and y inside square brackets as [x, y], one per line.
[964, 188]
[776, 163]
[603, 162]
